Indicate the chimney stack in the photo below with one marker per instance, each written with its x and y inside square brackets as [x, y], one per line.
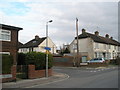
[107, 36]
[96, 33]
[111, 37]
[83, 30]
[36, 37]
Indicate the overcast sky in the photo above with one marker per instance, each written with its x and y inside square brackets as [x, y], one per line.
[32, 16]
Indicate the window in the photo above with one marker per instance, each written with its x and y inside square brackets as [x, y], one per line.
[5, 35]
[109, 46]
[95, 54]
[34, 41]
[96, 45]
[105, 46]
[5, 53]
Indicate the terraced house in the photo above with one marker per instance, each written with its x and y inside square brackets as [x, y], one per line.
[94, 46]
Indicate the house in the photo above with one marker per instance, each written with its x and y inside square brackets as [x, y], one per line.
[9, 40]
[9, 44]
[94, 46]
[20, 44]
[38, 44]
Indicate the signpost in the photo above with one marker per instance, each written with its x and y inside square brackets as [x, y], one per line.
[47, 48]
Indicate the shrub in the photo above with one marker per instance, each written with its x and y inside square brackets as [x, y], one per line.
[38, 59]
[7, 62]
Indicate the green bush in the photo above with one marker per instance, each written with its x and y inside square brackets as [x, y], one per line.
[7, 62]
[38, 59]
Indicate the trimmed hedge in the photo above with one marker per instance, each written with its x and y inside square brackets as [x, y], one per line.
[36, 58]
[7, 62]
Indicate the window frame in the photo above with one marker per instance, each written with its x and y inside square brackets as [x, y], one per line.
[8, 33]
[96, 45]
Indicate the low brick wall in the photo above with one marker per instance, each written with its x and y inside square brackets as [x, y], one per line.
[97, 64]
[65, 64]
[13, 73]
[32, 73]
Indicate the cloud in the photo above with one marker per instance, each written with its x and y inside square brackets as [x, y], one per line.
[32, 17]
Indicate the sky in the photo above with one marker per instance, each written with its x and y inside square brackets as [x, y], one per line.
[32, 16]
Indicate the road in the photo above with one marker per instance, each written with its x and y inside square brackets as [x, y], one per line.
[85, 78]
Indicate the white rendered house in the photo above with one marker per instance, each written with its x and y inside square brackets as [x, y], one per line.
[95, 46]
[37, 44]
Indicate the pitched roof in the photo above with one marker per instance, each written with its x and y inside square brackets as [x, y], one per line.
[99, 39]
[33, 42]
[20, 44]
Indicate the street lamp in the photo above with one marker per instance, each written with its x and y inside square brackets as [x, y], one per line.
[47, 46]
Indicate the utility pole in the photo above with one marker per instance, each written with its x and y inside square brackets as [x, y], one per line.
[77, 42]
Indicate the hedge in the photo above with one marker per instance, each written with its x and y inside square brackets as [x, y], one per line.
[36, 58]
[7, 62]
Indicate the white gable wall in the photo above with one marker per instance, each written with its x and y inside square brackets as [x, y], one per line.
[85, 46]
[50, 44]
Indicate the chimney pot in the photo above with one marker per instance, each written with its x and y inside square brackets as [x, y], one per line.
[83, 30]
[36, 37]
[96, 33]
[111, 37]
[107, 36]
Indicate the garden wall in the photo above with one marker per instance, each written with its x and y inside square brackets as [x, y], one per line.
[32, 73]
[11, 76]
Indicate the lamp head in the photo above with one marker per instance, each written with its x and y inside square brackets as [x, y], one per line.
[50, 21]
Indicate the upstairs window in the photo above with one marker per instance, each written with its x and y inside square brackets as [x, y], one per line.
[5, 35]
[96, 46]
[109, 46]
[105, 46]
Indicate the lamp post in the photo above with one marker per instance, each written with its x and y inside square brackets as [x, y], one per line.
[47, 46]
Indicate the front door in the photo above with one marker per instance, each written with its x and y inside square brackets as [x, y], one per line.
[84, 59]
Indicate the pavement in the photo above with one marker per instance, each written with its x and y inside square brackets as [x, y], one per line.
[28, 83]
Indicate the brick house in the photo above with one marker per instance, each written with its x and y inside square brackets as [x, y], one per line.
[9, 40]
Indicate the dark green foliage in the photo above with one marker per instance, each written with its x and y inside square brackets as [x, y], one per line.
[38, 59]
[21, 59]
[50, 62]
[7, 62]
[66, 51]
